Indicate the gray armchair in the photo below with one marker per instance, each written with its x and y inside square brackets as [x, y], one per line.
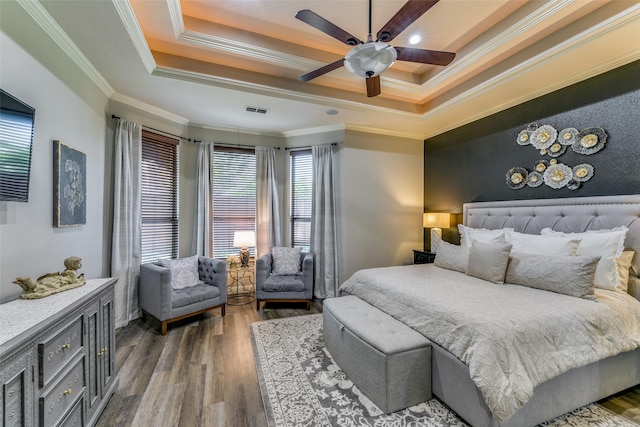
[284, 288]
[158, 298]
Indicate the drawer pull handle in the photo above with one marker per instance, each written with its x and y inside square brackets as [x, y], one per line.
[67, 391]
[102, 352]
[66, 346]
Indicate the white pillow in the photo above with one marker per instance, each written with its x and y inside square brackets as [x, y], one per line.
[608, 245]
[613, 273]
[452, 257]
[488, 261]
[468, 235]
[184, 272]
[543, 245]
[602, 243]
[286, 260]
[568, 275]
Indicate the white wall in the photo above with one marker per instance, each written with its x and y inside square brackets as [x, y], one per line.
[29, 244]
[381, 201]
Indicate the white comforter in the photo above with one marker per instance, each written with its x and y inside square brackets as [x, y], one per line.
[513, 338]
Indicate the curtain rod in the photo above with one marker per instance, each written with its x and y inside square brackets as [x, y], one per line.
[224, 144]
[333, 144]
[113, 116]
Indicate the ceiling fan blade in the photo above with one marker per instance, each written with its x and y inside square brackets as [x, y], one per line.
[412, 10]
[436, 57]
[373, 86]
[320, 71]
[327, 27]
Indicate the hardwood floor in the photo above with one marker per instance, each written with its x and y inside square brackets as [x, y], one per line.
[202, 373]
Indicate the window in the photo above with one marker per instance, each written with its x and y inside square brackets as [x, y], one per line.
[234, 197]
[301, 180]
[159, 232]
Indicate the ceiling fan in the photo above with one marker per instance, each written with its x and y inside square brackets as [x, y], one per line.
[370, 58]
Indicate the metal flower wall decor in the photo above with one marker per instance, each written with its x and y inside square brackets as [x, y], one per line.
[549, 142]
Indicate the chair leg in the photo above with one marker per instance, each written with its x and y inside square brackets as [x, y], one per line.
[224, 309]
[163, 328]
[257, 304]
[308, 305]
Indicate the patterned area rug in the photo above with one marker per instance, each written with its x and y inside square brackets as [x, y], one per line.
[301, 385]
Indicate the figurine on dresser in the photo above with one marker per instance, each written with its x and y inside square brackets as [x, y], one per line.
[53, 283]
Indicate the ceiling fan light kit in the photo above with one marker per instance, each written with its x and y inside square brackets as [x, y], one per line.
[371, 58]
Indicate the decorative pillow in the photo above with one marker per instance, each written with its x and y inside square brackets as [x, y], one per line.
[468, 235]
[452, 257]
[488, 261]
[286, 260]
[563, 274]
[613, 273]
[607, 244]
[184, 272]
[543, 245]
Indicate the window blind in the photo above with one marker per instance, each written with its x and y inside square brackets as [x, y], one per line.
[159, 204]
[16, 133]
[301, 181]
[234, 197]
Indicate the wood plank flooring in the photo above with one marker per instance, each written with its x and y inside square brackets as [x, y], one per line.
[202, 373]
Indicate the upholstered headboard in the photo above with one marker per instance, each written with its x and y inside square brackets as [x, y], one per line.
[567, 215]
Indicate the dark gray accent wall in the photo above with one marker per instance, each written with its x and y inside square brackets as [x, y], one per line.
[469, 163]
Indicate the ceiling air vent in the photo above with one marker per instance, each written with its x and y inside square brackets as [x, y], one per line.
[258, 110]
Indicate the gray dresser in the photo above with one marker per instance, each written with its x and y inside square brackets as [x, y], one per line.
[57, 357]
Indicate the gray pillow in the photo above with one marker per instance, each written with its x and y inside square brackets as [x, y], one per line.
[564, 274]
[286, 260]
[488, 261]
[184, 271]
[452, 257]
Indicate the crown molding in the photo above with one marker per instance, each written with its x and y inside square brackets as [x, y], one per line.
[175, 15]
[232, 84]
[124, 99]
[130, 22]
[42, 17]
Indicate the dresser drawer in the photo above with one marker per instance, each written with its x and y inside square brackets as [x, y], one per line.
[56, 351]
[74, 418]
[57, 401]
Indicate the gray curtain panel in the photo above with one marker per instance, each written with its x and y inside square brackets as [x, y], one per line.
[323, 223]
[125, 246]
[202, 242]
[267, 207]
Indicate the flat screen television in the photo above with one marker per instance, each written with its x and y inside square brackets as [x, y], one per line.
[17, 121]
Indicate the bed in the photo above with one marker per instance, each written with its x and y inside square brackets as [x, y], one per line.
[602, 368]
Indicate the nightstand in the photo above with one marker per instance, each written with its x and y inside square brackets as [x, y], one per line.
[423, 257]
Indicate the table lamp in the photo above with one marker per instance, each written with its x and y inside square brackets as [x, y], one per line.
[244, 239]
[436, 222]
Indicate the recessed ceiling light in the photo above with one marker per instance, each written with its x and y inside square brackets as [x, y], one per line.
[331, 112]
[415, 39]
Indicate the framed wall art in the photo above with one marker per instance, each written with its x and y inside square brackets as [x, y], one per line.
[69, 186]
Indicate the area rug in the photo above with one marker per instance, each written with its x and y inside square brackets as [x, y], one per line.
[301, 385]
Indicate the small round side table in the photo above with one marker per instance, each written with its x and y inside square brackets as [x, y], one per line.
[239, 292]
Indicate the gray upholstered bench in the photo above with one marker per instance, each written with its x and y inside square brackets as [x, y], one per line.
[388, 361]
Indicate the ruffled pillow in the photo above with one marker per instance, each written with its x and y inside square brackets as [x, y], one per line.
[468, 235]
[543, 245]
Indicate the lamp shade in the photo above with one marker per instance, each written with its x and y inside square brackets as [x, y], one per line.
[244, 239]
[436, 220]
